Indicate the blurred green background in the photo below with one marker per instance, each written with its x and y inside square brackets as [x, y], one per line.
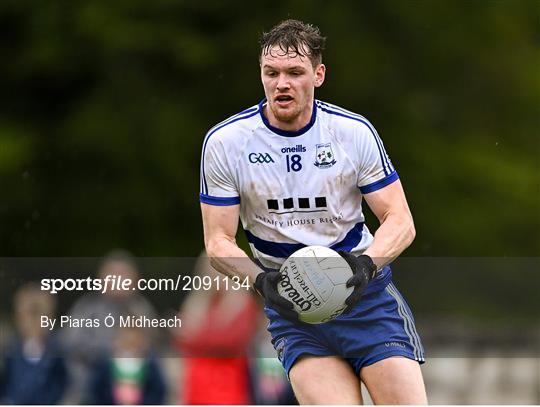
[105, 106]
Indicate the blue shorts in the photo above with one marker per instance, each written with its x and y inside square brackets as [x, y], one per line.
[380, 326]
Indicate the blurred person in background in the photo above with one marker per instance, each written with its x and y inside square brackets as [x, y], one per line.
[131, 375]
[86, 345]
[218, 328]
[33, 371]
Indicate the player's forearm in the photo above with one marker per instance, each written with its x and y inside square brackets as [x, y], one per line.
[227, 258]
[392, 237]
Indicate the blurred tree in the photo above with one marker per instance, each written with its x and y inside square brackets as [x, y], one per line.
[105, 105]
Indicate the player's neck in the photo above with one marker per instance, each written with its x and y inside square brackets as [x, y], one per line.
[299, 122]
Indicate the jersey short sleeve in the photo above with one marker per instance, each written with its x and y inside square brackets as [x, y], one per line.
[218, 186]
[375, 168]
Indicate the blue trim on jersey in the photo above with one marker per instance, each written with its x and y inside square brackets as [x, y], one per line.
[284, 250]
[248, 110]
[249, 113]
[351, 239]
[288, 133]
[274, 249]
[353, 116]
[366, 189]
[218, 200]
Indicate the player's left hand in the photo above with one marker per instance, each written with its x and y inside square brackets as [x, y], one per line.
[363, 270]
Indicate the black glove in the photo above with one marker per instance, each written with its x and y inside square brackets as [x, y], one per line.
[266, 285]
[363, 270]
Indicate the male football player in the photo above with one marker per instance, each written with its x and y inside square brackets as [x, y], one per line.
[295, 171]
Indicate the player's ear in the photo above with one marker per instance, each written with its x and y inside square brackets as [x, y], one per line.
[320, 72]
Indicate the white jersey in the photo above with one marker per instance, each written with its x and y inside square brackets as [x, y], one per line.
[296, 188]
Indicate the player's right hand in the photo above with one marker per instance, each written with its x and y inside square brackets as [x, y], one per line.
[266, 285]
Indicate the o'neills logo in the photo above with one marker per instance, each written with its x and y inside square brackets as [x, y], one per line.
[299, 148]
[304, 299]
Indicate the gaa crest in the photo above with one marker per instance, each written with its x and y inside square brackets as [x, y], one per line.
[324, 156]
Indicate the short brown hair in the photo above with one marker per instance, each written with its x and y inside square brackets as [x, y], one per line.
[293, 36]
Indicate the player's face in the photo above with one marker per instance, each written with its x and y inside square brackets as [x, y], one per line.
[289, 82]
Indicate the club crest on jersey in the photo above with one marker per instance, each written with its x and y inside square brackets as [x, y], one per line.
[324, 156]
[280, 348]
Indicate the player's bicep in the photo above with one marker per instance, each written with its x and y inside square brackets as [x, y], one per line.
[388, 200]
[219, 222]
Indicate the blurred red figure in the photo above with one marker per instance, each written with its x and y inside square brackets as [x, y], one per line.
[218, 328]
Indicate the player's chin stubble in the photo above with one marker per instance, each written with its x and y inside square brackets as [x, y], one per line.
[286, 115]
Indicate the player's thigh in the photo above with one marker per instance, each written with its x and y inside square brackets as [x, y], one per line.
[395, 380]
[324, 380]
